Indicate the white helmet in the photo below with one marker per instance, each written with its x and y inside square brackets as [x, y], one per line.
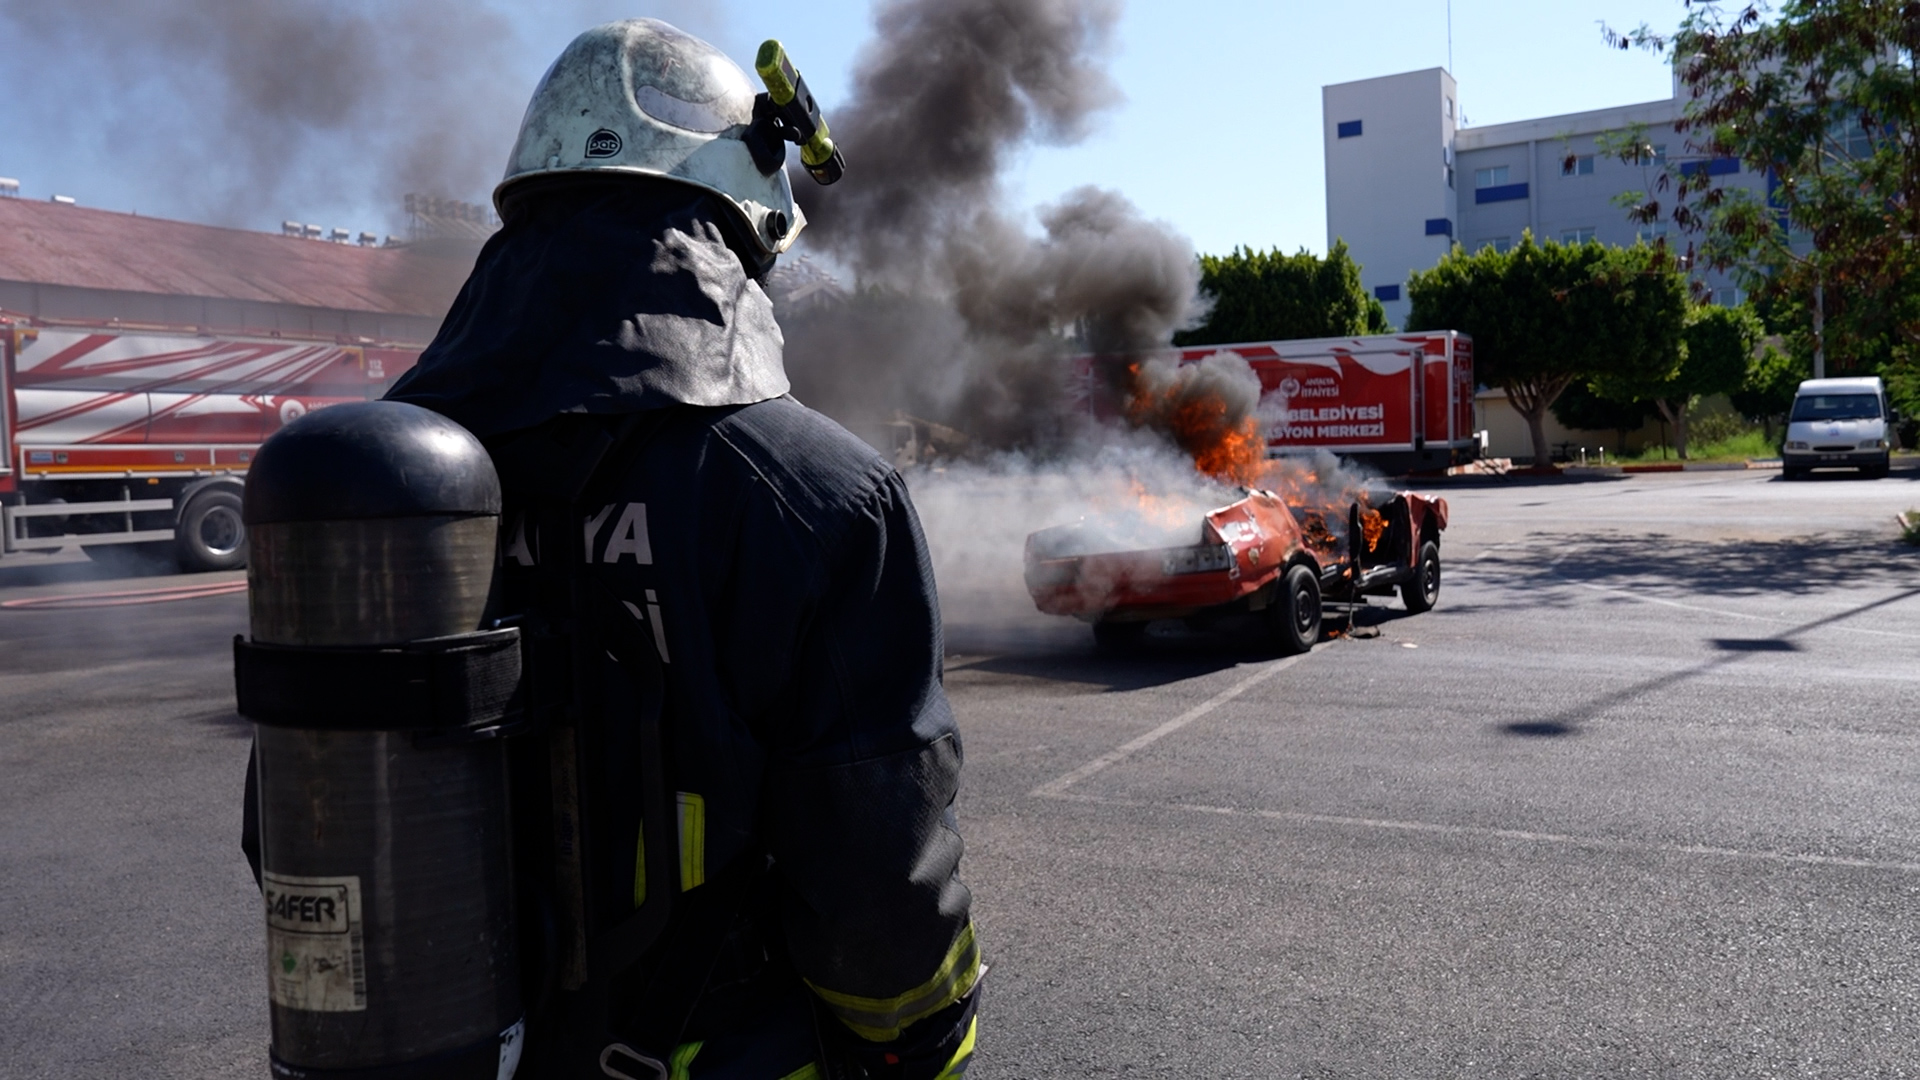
[644, 98]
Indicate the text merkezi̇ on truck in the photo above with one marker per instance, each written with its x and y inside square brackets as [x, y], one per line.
[142, 435]
[1399, 402]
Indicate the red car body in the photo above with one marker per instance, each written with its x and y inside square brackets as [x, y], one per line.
[1246, 547]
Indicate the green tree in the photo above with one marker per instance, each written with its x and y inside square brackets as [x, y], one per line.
[1578, 407]
[1772, 379]
[1716, 347]
[1266, 296]
[1825, 96]
[1543, 316]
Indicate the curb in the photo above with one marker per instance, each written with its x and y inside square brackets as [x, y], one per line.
[1675, 466]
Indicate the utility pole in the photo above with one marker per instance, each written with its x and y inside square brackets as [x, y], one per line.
[1819, 328]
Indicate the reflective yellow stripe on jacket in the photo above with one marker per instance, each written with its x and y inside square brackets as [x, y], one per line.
[957, 1066]
[883, 1019]
[691, 809]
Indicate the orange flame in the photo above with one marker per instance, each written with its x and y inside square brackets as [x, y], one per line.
[1231, 451]
[1371, 526]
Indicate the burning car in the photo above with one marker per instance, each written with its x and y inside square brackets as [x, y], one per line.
[1261, 554]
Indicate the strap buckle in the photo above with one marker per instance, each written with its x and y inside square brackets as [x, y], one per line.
[655, 1069]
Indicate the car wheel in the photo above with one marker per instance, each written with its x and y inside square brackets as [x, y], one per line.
[1296, 617]
[1422, 591]
[1118, 637]
[211, 534]
[1878, 470]
[1793, 473]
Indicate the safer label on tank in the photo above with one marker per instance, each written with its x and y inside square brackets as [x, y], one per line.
[316, 955]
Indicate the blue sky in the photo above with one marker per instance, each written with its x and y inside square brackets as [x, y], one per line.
[1218, 132]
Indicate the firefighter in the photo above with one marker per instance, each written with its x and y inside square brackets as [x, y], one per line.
[698, 543]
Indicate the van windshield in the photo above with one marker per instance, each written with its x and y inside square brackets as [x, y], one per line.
[1836, 407]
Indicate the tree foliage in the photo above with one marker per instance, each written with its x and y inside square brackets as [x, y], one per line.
[1543, 316]
[1579, 408]
[1824, 96]
[1773, 377]
[1265, 295]
[1716, 347]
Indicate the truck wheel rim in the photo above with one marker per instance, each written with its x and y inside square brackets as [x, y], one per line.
[1431, 584]
[221, 530]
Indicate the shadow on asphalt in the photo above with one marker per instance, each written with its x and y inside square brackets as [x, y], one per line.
[1172, 652]
[1539, 729]
[1746, 568]
[1731, 651]
[1907, 473]
[225, 721]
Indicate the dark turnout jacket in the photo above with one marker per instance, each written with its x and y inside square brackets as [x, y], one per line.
[774, 564]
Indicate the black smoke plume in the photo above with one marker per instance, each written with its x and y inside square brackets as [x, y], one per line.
[242, 112]
[961, 315]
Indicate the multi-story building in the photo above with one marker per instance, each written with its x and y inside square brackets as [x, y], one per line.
[1405, 181]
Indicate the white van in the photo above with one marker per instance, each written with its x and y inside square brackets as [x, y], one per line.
[1841, 423]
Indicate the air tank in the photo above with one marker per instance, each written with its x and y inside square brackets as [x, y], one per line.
[380, 705]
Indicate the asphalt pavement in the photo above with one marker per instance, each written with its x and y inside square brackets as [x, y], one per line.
[1638, 798]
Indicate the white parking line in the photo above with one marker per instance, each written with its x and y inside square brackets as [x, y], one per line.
[1515, 835]
[1055, 787]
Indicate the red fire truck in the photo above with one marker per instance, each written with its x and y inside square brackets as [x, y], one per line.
[116, 434]
[1399, 402]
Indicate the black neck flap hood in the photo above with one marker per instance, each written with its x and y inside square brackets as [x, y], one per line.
[614, 296]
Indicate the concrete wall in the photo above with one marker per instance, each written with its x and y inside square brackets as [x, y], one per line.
[1507, 435]
[1387, 182]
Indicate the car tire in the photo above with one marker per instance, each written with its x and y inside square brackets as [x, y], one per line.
[1422, 590]
[211, 534]
[1118, 637]
[1296, 614]
[1793, 472]
[1879, 470]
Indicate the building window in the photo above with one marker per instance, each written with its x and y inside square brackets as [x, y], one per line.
[1578, 165]
[1497, 243]
[1720, 166]
[1503, 193]
[1494, 177]
[1439, 226]
[1582, 235]
[1648, 154]
[1449, 108]
[1853, 135]
[1449, 177]
[1387, 293]
[1728, 296]
[1348, 128]
[1651, 233]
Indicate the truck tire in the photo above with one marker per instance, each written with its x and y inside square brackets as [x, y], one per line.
[1421, 591]
[1296, 613]
[1118, 637]
[211, 535]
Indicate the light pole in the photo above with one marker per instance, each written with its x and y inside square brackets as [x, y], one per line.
[1819, 329]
